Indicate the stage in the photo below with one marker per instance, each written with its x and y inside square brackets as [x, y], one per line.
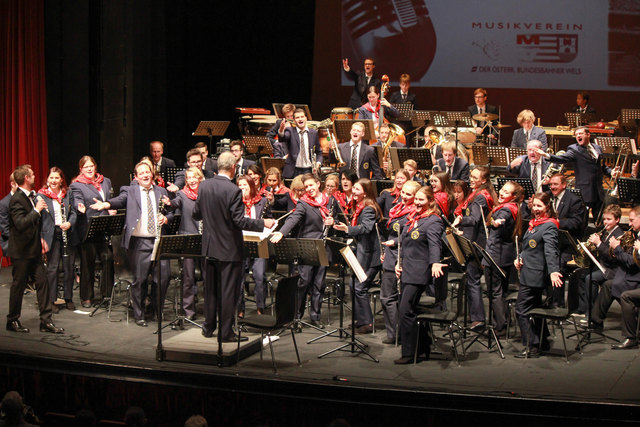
[599, 385]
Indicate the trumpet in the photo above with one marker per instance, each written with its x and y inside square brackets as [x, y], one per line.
[336, 152]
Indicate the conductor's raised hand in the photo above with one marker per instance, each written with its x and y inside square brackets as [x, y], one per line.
[345, 64]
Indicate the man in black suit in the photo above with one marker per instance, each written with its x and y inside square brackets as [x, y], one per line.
[365, 160]
[4, 216]
[208, 163]
[589, 171]
[194, 160]
[363, 80]
[582, 101]
[156, 149]
[242, 164]
[481, 107]
[453, 165]
[219, 206]
[302, 145]
[280, 149]
[142, 200]
[26, 247]
[403, 96]
[532, 166]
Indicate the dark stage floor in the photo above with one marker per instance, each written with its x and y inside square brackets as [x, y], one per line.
[599, 378]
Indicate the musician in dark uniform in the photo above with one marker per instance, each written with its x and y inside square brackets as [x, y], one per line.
[256, 206]
[58, 218]
[377, 109]
[4, 216]
[471, 216]
[481, 107]
[25, 249]
[504, 225]
[242, 165]
[627, 275]
[86, 187]
[451, 164]
[629, 303]
[362, 80]
[403, 96]
[184, 204]
[303, 146]
[421, 251]
[362, 228]
[533, 165]
[390, 197]
[313, 216]
[538, 263]
[144, 220]
[582, 104]
[194, 160]
[160, 163]
[388, 285]
[589, 172]
[219, 206]
[365, 160]
[280, 149]
[529, 131]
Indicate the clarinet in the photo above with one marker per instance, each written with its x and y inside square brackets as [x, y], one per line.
[65, 239]
[325, 230]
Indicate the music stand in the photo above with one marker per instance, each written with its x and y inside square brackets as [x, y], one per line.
[277, 109]
[173, 225]
[176, 247]
[515, 152]
[525, 183]
[103, 227]
[480, 154]
[300, 252]
[497, 156]
[466, 247]
[480, 253]
[258, 144]
[270, 162]
[628, 190]
[342, 129]
[406, 110]
[170, 174]
[457, 119]
[422, 157]
[630, 117]
[614, 144]
[210, 129]
[575, 120]
[383, 184]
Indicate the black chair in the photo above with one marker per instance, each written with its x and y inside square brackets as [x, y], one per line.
[284, 318]
[447, 317]
[559, 315]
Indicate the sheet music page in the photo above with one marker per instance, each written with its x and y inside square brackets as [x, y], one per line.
[258, 236]
[351, 259]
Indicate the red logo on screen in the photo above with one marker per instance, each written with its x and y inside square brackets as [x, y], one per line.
[547, 47]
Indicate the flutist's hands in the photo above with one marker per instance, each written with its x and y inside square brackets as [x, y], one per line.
[456, 221]
[436, 269]
[398, 271]
[276, 237]
[556, 279]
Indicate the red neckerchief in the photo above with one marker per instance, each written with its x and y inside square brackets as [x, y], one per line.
[50, 194]
[442, 199]
[249, 203]
[262, 190]
[342, 199]
[358, 210]
[322, 204]
[96, 181]
[414, 217]
[292, 196]
[374, 110]
[400, 210]
[536, 222]
[281, 190]
[160, 182]
[396, 193]
[191, 194]
[472, 196]
[510, 204]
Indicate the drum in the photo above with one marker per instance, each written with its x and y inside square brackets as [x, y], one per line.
[466, 137]
[260, 125]
[342, 113]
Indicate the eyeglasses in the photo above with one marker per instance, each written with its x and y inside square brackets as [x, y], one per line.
[85, 167]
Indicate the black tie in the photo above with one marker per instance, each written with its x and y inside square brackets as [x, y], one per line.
[534, 177]
[32, 197]
[404, 97]
[353, 165]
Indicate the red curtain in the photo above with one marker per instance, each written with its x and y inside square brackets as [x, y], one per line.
[23, 106]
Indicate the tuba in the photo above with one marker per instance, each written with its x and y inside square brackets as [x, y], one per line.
[554, 168]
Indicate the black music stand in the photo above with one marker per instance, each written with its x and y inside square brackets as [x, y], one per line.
[406, 110]
[103, 227]
[270, 162]
[300, 252]
[383, 184]
[614, 144]
[575, 120]
[171, 247]
[422, 157]
[356, 345]
[514, 152]
[173, 225]
[466, 247]
[170, 174]
[490, 332]
[420, 118]
[525, 183]
[258, 144]
[497, 157]
[342, 129]
[277, 109]
[210, 129]
[629, 190]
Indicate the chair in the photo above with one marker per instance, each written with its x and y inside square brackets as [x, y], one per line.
[284, 318]
[558, 314]
[448, 317]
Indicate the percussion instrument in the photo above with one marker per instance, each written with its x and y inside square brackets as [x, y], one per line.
[342, 113]
[259, 125]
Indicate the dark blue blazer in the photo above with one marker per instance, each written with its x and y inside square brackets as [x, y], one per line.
[219, 206]
[85, 193]
[4, 223]
[396, 98]
[460, 168]
[421, 247]
[539, 255]
[367, 244]
[308, 217]
[49, 221]
[500, 244]
[291, 139]
[386, 201]
[520, 137]
[627, 276]
[471, 224]
[368, 166]
[524, 170]
[25, 225]
[571, 213]
[589, 172]
[185, 206]
[391, 252]
[360, 87]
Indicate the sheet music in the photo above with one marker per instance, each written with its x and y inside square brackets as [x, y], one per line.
[259, 236]
[593, 259]
[353, 262]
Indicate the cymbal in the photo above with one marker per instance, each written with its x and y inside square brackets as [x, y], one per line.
[484, 117]
[501, 126]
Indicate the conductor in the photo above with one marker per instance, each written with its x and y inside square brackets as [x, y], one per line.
[219, 206]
